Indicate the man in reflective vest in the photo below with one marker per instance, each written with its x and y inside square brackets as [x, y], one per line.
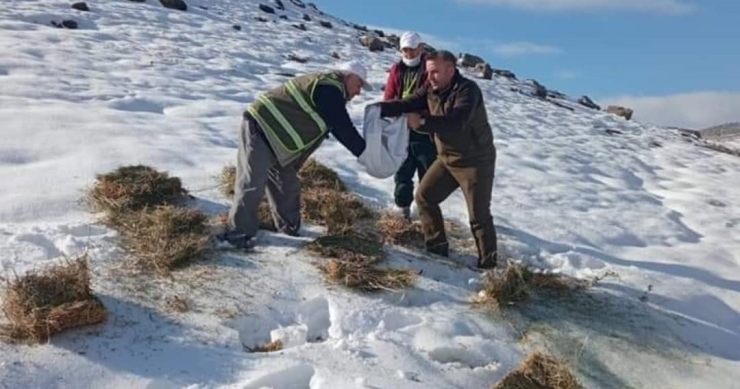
[404, 78]
[280, 130]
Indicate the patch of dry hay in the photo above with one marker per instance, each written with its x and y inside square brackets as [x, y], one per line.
[132, 188]
[366, 277]
[395, 229]
[539, 371]
[315, 175]
[268, 348]
[337, 211]
[227, 180]
[354, 262]
[166, 237]
[325, 200]
[56, 298]
[516, 283]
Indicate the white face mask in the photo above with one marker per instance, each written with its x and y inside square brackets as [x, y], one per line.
[411, 62]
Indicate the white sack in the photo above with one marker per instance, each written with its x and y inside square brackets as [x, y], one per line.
[386, 142]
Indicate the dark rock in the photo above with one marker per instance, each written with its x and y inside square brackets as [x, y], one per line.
[260, 19]
[306, 17]
[613, 132]
[469, 60]
[620, 111]
[298, 3]
[293, 57]
[70, 24]
[203, 7]
[312, 5]
[267, 8]
[372, 42]
[335, 55]
[380, 33]
[326, 24]
[279, 4]
[301, 26]
[284, 17]
[81, 6]
[175, 4]
[537, 89]
[486, 72]
[394, 41]
[587, 102]
[555, 94]
[285, 74]
[358, 27]
[505, 73]
[237, 27]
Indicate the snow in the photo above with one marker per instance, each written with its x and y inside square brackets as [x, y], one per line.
[139, 83]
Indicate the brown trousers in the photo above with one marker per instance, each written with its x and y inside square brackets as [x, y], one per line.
[477, 185]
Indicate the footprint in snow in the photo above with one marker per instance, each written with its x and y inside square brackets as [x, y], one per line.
[396, 320]
[294, 377]
[309, 323]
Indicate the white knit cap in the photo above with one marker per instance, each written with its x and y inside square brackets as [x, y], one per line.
[359, 70]
[410, 40]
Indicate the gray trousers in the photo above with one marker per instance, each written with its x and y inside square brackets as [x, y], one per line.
[257, 170]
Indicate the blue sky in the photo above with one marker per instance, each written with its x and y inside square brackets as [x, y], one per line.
[651, 53]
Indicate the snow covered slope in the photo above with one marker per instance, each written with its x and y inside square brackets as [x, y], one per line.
[139, 83]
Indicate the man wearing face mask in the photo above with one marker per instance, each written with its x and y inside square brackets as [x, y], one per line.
[405, 77]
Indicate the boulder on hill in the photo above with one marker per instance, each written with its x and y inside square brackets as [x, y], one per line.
[620, 111]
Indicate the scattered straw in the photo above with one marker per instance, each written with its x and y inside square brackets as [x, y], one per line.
[57, 298]
[516, 283]
[353, 263]
[347, 246]
[395, 229]
[336, 210]
[227, 180]
[166, 237]
[132, 188]
[268, 348]
[539, 371]
[314, 175]
[365, 276]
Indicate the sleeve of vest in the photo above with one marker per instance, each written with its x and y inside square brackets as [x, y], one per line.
[331, 105]
[466, 101]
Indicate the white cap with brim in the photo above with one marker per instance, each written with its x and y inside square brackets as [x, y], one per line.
[410, 40]
[359, 70]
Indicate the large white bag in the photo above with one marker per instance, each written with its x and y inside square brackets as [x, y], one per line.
[386, 143]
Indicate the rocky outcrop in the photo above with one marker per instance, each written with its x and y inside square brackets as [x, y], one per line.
[587, 102]
[469, 60]
[267, 8]
[394, 41]
[175, 4]
[505, 73]
[326, 24]
[485, 71]
[81, 6]
[620, 111]
[372, 42]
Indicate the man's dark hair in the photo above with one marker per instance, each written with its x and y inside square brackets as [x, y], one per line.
[444, 55]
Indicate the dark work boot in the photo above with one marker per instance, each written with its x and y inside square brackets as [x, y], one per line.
[441, 249]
